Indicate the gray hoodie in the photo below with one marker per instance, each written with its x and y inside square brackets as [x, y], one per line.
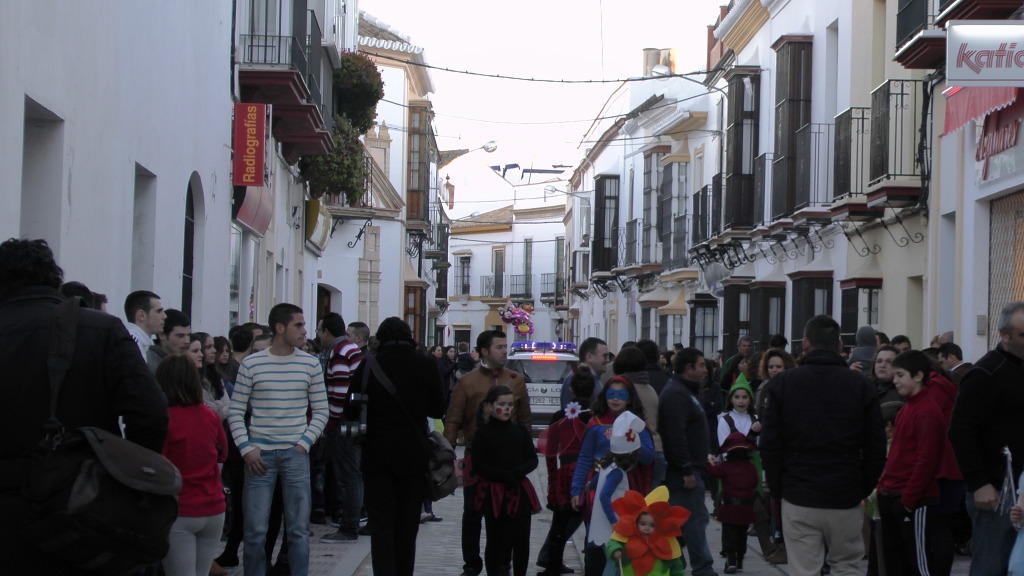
[865, 350]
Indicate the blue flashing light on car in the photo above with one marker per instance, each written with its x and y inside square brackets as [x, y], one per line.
[532, 346]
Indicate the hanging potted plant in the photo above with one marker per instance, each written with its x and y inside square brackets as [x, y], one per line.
[358, 87]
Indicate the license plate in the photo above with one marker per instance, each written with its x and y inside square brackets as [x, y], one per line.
[543, 401]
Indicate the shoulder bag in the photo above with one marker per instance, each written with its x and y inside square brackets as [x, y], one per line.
[99, 502]
[441, 478]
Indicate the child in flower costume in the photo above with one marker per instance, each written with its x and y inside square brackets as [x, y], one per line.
[644, 541]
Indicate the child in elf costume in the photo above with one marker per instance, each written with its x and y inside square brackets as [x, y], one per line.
[644, 541]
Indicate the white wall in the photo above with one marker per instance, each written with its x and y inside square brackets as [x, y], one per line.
[123, 77]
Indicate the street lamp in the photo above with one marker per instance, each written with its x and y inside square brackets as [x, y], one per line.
[489, 146]
[549, 189]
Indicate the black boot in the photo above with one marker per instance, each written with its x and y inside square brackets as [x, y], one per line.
[739, 561]
[730, 563]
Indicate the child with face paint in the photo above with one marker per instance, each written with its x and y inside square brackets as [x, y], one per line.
[503, 455]
[612, 484]
[616, 399]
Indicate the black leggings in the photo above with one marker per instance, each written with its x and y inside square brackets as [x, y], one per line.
[508, 542]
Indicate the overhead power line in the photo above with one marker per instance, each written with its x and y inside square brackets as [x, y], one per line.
[525, 79]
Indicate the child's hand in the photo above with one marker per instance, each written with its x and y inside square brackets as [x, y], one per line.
[1016, 516]
[617, 555]
[755, 427]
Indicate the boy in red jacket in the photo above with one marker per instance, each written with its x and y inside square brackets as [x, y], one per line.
[908, 490]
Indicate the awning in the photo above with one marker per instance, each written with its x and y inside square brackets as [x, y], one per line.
[412, 279]
[657, 297]
[966, 103]
[255, 207]
[677, 307]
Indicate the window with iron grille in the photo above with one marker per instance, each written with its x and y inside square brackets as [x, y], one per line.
[462, 275]
[767, 313]
[792, 111]
[741, 132]
[735, 316]
[704, 323]
[646, 322]
[859, 306]
[811, 296]
[419, 163]
[606, 223]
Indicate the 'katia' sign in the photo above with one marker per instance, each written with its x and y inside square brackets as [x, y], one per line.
[985, 53]
[249, 144]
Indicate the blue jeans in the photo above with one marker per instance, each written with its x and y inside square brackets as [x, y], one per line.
[991, 541]
[345, 454]
[293, 468]
[695, 529]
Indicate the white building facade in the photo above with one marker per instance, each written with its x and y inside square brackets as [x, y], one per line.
[118, 146]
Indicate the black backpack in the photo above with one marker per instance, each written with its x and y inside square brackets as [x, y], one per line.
[99, 502]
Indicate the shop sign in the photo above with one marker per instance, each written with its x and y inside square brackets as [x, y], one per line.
[250, 137]
[997, 152]
[985, 53]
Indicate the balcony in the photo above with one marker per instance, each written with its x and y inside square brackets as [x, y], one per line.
[520, 286]
[716, 205]
[493, 286]
[680, 259]
[815, 162]
[762, 179]
[974, 10]
[740, 206]
[552, 288]
[284, 70]
[853, 129]
[894, 174]
[462, 282]
[918, 45]
[701, 205]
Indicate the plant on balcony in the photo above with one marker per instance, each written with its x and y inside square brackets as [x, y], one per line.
[358, 87]
[342, 171]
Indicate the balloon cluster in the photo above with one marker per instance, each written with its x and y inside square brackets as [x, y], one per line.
[517, 317]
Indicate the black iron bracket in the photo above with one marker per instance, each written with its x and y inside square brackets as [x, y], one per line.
[868, 250]
[902, 241]
[359, 235]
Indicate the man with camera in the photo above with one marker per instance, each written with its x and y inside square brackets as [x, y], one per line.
[342, 358]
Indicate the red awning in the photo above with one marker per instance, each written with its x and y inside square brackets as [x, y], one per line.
[966, 103]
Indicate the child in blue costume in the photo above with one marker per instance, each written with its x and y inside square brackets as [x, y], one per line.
[617, 397]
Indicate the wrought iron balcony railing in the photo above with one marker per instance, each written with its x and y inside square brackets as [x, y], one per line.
[815, 145]
[852, 130]
[896, 109]
[493, 286]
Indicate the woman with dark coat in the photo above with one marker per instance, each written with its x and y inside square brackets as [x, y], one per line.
[394, 457]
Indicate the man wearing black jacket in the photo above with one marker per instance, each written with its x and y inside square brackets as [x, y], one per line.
[683, 427]
[107, 379]
[823, 450]
[986, 418]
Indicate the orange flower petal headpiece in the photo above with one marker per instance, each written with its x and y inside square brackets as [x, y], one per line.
[668, 521]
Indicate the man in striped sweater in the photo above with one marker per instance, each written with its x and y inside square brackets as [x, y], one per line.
[342, 357]
[279, 384]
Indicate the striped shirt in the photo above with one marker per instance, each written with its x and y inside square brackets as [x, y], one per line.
[343, 359]
[279, 389]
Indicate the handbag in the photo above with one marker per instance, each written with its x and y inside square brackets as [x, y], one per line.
[99, 502]
[440, 477]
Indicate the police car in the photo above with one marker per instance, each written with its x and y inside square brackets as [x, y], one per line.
[544, 366]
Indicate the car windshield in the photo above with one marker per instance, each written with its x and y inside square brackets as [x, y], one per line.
[541, 370]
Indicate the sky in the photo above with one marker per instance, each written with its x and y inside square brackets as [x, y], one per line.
[535, 123]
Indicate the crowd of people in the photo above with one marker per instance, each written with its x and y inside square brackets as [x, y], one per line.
[883, 451]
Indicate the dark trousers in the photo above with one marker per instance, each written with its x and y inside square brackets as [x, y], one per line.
[233, 476]
[594, 560]
[472, 522]
[906, 543]
[508, 542]
[394, 504]
[734, 538]
[563, 524]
